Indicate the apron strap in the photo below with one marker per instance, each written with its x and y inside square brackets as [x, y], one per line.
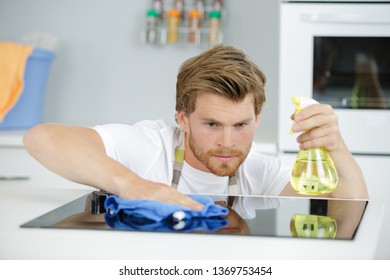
[178, 165]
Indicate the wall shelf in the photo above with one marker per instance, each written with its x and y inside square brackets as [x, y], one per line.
[159, 36]
[170, 27]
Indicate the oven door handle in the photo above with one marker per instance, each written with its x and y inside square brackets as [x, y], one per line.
[344, 18]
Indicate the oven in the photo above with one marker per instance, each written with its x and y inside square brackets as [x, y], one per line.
[338, 52]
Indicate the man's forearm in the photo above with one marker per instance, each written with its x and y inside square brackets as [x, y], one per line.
[351, 180]
[76, 154]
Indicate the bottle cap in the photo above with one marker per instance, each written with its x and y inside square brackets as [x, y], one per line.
[173, 13]
[194, 13]
[215, 14]
[152, 13]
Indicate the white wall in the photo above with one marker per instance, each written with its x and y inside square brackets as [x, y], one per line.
[103, 73]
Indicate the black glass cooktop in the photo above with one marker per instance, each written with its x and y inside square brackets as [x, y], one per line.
[249, 215]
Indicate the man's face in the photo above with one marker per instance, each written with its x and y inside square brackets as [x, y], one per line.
[219, 133]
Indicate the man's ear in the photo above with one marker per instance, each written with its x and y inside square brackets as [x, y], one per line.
[182, 120]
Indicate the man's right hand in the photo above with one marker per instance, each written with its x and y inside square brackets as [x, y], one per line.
[156, 191]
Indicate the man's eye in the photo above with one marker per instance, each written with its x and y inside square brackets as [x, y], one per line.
[211, 124]
[241, 124]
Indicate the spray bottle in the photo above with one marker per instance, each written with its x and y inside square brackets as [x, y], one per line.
[314, 172]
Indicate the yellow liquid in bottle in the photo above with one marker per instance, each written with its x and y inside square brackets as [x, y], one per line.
[313, 226]
[314, 173]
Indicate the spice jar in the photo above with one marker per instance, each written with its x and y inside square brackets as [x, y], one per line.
[151, 26]
[173, 22]
[214, 26]
[194, 17]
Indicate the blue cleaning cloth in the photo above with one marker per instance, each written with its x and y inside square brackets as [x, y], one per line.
[154, 214]
[157, 211]
[124, 222]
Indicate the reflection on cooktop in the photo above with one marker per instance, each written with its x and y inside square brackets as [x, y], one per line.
[248, 215]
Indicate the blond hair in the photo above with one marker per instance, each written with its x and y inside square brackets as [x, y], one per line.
[221, 70]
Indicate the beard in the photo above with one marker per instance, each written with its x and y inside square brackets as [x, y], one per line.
[207, 158]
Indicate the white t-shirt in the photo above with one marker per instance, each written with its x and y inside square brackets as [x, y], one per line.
[147, 148]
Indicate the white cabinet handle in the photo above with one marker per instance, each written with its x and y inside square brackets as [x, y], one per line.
[343, 18]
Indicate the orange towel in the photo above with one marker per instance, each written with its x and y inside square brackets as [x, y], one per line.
[13, 58]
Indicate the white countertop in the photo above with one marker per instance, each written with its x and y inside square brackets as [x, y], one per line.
[21, 204]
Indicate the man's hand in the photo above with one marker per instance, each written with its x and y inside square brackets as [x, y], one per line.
[156, 191]
[319, 126]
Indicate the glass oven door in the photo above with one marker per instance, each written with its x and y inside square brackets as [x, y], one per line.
[352, 72]
[339, 54]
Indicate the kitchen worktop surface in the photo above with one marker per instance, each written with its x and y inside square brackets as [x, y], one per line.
[24, 203]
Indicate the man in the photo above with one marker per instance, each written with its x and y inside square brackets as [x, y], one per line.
[219, 97]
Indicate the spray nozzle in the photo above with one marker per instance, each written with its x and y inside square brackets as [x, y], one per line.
[300, 104]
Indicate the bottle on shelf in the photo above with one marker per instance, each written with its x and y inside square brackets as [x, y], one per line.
[151, 26]
[194, 19]
[214, 27]
[173, 23]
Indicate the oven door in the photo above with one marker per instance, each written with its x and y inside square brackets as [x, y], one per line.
[338, 53]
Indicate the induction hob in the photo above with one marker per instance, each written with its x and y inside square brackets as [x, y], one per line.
[299, 217]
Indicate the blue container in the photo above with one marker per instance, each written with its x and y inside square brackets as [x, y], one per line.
[28, 111]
